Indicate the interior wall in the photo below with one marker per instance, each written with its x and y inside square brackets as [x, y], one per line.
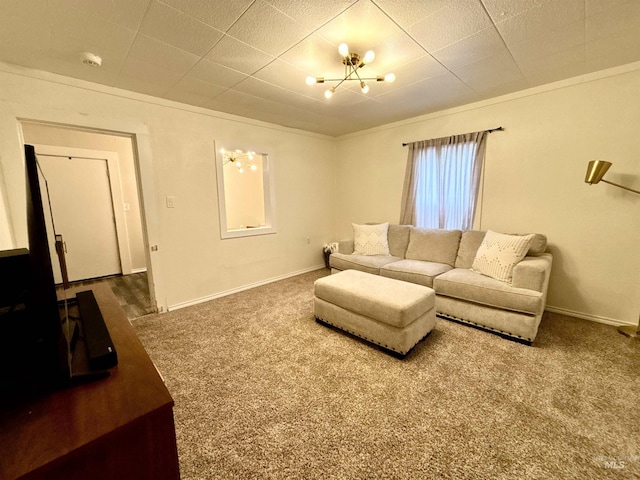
[65, 137]
[177, 158]
[533, 182]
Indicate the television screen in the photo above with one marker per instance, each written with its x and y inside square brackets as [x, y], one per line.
[35, 349]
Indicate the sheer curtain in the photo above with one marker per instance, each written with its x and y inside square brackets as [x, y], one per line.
[442, 181]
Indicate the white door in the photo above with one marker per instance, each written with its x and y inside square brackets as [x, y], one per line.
[79, 193]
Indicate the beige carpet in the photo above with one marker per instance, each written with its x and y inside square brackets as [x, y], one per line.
[263, 391]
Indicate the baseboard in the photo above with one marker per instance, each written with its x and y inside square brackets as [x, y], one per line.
[586, 316]
[178, 306]
[138, 270]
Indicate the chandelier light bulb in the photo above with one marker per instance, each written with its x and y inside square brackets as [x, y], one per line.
[390, 77]
[369, 57]
[328, 94]
[241, 170]
[253, 167]
[343, 49]
[310, 80]
[238, 164]
[364, 87]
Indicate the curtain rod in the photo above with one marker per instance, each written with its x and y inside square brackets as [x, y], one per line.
[497, 129]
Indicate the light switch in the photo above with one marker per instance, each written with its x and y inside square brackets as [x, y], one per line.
[171, 201]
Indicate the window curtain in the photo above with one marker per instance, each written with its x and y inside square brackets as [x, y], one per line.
[442, 181]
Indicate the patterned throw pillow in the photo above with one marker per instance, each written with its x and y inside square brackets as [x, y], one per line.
[370, 239]
[499, 254]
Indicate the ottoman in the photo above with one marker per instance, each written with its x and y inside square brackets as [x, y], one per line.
[391, 313]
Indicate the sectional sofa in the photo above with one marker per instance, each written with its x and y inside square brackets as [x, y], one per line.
[459, 266]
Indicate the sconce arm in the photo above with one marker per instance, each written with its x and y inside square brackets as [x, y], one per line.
[621, 186]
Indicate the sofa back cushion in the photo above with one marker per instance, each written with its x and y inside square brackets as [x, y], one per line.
[471, 240]
[399, 239]
[433, 245]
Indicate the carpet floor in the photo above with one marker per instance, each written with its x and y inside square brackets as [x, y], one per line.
[263, 391]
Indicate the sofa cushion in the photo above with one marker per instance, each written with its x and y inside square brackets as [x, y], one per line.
[538, 245]
[364, 263]
[371, 239]
[399, 239]
[470, 241]
[499, 253]
[464, 284]
[433, 245]
[414, 271]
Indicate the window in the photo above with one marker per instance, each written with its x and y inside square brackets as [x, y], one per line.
[442, 182]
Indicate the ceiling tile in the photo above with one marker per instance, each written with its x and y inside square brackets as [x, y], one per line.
[613, 50]
[416, 71]
[89, 31]
[489, 72]
[144, 77]
[474, 47]
[268, 29]
[444, 86]
[312, 14]
[500, 10]
[286, 76]
[175, 28]
[218, 14]
[533, 65]
[312, 54]
[450, 24]
[23, 12]
[594, 7]
[162, 54]
[550, 75]
[212, 72]
[128, 13]
[610, 22]
[195, 91]
[408, 12]
[239, 56]
[552, 42]
[363, 27]
[266, 90]
[539, 20]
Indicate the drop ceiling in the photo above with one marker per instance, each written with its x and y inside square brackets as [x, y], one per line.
[251, 57]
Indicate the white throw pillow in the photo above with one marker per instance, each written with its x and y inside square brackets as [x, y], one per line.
[370, 239]
[499, 253]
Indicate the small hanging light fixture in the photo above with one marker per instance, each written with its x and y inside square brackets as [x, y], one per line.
[352, 64]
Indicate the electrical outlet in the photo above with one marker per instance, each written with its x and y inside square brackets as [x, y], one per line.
[171, 201]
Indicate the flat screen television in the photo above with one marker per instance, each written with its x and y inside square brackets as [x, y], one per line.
[35, 347]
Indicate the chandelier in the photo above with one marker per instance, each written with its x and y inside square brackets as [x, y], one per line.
[237, 157]
[352, 64]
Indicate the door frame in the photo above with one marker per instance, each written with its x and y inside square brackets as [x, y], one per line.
[117, 203]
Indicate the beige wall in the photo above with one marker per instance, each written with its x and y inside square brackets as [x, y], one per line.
[533, 182]
[64, 137]
[175, 145]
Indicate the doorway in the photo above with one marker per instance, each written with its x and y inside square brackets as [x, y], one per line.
[93, 187]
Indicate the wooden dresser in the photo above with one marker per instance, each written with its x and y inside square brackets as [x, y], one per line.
[120, 427]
